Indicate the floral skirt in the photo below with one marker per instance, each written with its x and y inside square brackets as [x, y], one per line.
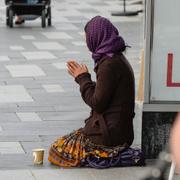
[73, 149]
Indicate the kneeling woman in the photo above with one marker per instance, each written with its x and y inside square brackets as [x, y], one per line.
[109, 129]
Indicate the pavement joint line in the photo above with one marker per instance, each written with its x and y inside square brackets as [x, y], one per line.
[33, 175]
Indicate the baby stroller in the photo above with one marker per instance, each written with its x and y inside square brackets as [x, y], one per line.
[28, 8]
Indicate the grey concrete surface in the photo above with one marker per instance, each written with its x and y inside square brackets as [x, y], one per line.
[39, 101]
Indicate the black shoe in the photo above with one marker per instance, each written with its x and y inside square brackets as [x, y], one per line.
[19, 22]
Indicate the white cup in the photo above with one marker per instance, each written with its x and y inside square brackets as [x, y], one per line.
[38, 155]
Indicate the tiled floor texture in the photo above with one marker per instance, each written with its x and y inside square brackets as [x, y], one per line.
[39, 101]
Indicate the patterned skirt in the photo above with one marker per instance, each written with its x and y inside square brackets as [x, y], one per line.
[73, 149]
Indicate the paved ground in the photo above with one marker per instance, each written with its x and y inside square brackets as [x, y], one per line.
[39, 101]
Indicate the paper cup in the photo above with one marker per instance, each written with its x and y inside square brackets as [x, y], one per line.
[38, 155]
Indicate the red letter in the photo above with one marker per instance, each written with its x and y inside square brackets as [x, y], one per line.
[169, 72]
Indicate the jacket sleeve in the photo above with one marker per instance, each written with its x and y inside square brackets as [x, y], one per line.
[99, 95]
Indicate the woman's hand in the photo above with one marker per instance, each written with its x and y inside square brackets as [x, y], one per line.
[76, 69]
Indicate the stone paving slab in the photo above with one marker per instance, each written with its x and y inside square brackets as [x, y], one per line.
[8, 117]
[38, 128]
[28, 117]
[16, 174]
[20, 138]
[77, 174]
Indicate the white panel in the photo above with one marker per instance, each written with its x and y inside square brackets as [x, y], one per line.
[166, 39]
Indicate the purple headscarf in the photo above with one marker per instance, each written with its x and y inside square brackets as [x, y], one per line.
[103, 38]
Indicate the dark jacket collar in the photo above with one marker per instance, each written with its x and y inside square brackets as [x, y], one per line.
[105, 58]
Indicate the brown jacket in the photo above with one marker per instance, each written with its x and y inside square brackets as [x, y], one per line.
[111, 99]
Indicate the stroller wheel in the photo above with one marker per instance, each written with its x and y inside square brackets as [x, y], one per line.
[11, 14]
[43, 18]
[49, 17]
[7, 16]
[49, 22]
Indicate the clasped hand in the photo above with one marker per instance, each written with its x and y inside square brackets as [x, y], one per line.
[75, 69]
